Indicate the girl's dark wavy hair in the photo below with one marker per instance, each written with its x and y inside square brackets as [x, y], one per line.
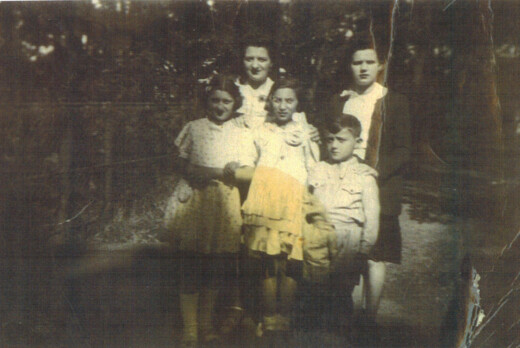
[256, 40]
[286, 82]
[223, 83]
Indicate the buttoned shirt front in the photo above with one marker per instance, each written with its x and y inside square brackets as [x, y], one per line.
[339, 187]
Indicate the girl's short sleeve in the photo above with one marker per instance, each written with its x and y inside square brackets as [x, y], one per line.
[184, 141]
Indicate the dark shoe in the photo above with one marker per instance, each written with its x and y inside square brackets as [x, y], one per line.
[367, 334]
[232, 320]
[210, 337]
[189, 341]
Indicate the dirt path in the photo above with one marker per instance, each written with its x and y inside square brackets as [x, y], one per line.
[135, 304]
[417, 292]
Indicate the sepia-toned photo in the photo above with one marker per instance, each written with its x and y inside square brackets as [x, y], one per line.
[260, 173]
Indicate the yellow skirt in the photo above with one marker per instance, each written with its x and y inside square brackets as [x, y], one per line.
[209, 221]
[273, 213]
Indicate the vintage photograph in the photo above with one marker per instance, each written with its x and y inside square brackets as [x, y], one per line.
[260, 173]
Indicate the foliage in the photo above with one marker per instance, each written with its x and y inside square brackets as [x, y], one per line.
[124, 76]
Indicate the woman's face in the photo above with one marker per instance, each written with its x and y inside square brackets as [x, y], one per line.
[284, 103]
[257, 64]
[220, 105]
[365, 66]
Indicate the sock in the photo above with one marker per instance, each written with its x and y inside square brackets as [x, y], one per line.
[207, 308]
[189, 307]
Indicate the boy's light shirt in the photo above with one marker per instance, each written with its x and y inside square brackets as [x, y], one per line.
[362, 107]
[339, 187]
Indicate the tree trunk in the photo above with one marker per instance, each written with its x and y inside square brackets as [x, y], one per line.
[109, 170]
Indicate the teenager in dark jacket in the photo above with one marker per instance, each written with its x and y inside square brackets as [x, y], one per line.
[386, 146]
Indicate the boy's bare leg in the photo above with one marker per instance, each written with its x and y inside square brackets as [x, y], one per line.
[358, 296]
[374, 287]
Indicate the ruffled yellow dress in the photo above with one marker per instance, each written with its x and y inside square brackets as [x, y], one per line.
[273, 212]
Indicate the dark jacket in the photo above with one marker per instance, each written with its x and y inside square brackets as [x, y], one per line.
[389, 145]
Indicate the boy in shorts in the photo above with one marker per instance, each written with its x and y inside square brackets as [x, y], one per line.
[348, 190]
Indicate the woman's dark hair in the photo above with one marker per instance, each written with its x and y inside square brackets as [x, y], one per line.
[286, 82]
[224, 83]
[256, 40]
[363, 42]
[343, 121]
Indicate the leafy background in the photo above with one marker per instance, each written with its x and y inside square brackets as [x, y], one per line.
[93, 94]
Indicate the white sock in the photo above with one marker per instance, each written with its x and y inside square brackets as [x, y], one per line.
[189, 308]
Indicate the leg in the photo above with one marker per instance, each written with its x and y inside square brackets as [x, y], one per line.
[189, 298]
[234, 311]
[374, 287]
[386, 249]
[216, 270]
[288, 288]
[358, 296]
[290, 271]
[269, 296]
[341, 305]
[270, 292]
[189, 308]
[206, 312]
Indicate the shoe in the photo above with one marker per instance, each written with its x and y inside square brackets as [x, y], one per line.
[189, 341]
[232, 321]
[259, 330]
[210, 336]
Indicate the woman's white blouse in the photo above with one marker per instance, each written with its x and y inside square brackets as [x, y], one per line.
[253, 103]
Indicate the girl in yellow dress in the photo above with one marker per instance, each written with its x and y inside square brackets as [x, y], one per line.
[273, 211]
[206, 224]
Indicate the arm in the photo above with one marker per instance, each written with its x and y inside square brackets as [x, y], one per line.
[370, 199]
[244, 174]
[250, 155]
[398, 119]
[196, 174]
[205, 172]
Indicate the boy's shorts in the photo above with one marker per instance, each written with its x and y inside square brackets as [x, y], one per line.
[388, 245]
[347, 263]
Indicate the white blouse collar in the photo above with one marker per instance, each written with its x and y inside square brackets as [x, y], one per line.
[263, 89]
[377, 92]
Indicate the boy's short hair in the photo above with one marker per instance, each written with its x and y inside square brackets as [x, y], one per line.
[345, 121]
[224, 83]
